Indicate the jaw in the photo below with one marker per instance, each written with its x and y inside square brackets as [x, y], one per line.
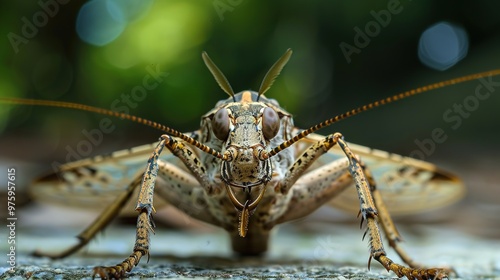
[245, 206]
[242, 174]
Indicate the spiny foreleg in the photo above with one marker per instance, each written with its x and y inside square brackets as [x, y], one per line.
[370, 214]
[145, 222]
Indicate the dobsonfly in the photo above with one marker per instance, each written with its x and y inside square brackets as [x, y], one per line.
[249, 168]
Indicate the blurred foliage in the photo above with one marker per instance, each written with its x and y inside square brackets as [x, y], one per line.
[245, 38]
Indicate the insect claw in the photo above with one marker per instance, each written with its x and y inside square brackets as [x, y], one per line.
[364, 234]
[369, 262]
[152, 223]
[361, 224]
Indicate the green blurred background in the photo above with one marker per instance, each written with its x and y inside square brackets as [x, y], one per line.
[245, 38]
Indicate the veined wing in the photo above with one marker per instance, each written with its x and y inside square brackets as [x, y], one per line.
[96, 182]
[407, 185]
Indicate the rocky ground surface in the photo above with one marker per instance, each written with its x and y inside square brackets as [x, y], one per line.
[312, 251]
[327, 245]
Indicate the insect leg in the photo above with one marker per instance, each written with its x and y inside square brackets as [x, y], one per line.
[296, 171]
[194, 164]
[97, 225]
[145, 203]
[370, 214]
[368, 207]
[145, 223]
[384, 218]
[317, 187]
[180, 189]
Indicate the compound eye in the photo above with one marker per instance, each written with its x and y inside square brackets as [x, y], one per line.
[220, 124]
[270, 123]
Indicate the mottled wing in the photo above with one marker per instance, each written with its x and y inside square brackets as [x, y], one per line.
[96, 182]
[407, 185]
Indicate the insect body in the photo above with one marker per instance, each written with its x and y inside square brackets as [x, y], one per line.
[248, 169]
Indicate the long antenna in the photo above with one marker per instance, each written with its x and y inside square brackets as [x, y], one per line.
[81, 107]
[378, 103]
[227, 88]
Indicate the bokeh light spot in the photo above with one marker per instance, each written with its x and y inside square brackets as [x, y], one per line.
[170, 29]
[126, 11]
[96, 25]
[443, 45]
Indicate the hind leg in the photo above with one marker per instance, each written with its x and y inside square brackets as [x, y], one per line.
[97, 225]
[369, 199]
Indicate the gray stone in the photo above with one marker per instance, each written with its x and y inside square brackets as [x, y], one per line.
[306, 252]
